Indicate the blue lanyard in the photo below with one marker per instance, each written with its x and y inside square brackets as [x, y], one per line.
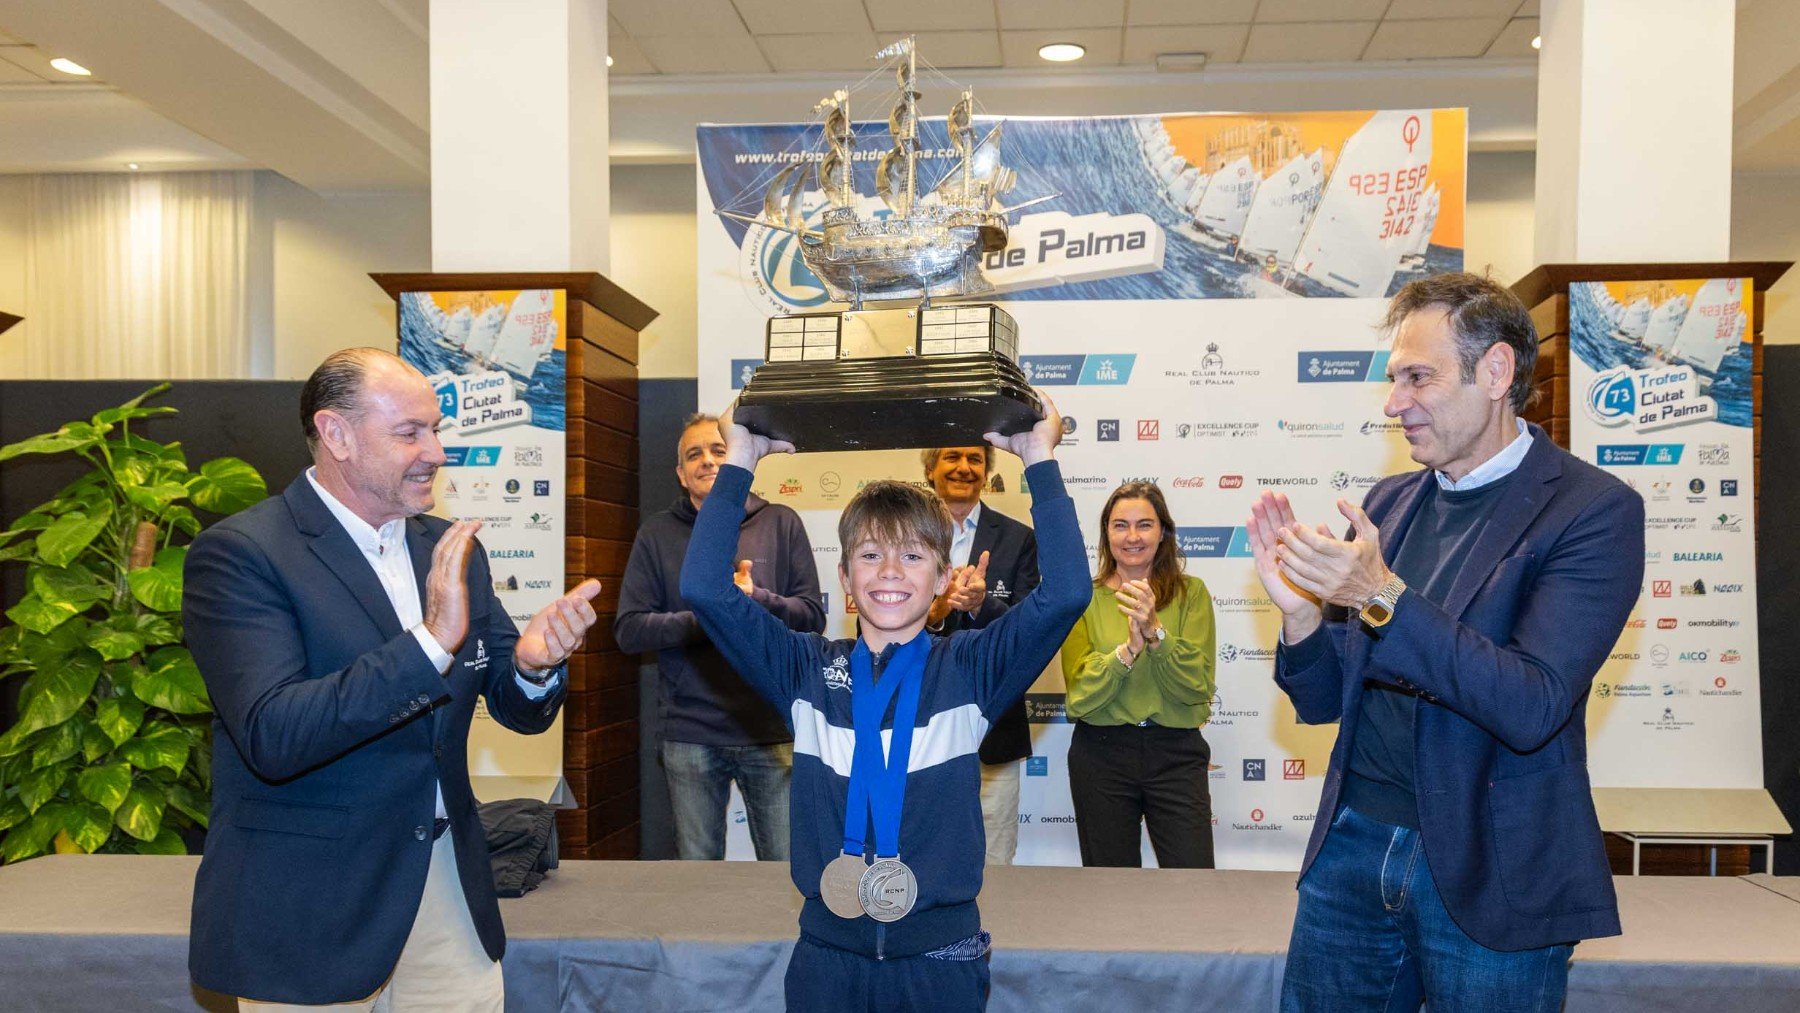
[877, 787]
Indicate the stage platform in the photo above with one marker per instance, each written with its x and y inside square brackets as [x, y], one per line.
[84, 932]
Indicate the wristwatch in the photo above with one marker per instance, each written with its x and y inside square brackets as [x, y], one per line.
[1378, 611]
[1158, 637]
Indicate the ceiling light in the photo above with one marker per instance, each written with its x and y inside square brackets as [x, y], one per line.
[133, 166]
[609, 60]
[1062, 52]
[1537, 42]
[69, 66]
[1180, 61]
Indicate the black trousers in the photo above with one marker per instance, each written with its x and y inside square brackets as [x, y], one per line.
[1121, 775]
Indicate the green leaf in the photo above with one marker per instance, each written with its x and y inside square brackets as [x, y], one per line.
[119, 717]
[40, 616]
[113, 644]
[163, 746]
[129, 409]
[105, 785]
[158, 585]
[190, 801]
[34, 521]
[132, 468]
[41, 786]
[226, 485]
[57, 744]
[88, 825]
[94, 743]
[154, 498]
[12, 814]
[166, 842]
[140, 815]
[52, 695]
[73, 584]
[182, 519]
[172, 681]
[23, 550]
[48, 443]
[62, 541]
[31, 837]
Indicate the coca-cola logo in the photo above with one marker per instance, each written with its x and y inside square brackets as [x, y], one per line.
[1186, 482]
[1231, 481]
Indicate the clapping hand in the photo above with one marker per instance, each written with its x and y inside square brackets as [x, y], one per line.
[741, 576]
[965, 593]
[1138, 602]
[557, 630]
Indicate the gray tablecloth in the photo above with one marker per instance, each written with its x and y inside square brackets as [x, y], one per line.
[102, 932]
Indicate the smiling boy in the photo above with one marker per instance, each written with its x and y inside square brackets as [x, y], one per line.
[889, 920]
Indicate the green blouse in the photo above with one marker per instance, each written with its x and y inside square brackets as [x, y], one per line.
[1171, 685]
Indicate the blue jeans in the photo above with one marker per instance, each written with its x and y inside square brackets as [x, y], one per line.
[700, 786]
[1371, 933]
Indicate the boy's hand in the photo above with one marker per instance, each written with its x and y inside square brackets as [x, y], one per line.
[743, 447]
[1039, 442]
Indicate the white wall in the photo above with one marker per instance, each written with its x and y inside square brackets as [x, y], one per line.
[12, 269]
[1765, 225]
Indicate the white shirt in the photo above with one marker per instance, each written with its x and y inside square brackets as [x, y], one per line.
[962, 537]
[385, 551]
[1494, 468]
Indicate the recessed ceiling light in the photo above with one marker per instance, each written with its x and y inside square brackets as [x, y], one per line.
[1180, 61]
[133, 166]
[1537, 42]
[609, 60]
[1062, 52]
[69, 66]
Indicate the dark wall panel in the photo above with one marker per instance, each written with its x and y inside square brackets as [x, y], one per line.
[1778, 608]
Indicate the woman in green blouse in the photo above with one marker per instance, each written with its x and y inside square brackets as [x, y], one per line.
[1139, 670]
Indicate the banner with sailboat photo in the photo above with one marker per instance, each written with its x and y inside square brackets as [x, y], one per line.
[1662, 396]
[496, 360]
[1200, 293]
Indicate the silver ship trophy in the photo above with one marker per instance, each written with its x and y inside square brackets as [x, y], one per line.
[923, 375]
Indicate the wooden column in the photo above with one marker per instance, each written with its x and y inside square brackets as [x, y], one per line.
[600, 726]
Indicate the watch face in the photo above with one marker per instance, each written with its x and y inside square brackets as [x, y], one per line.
[1377, 613]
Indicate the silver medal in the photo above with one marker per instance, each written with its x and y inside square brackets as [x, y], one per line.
[839, 886]
[888, 890]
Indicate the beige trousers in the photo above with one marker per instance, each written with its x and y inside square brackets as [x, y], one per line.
[443, 965]
[1000, 810]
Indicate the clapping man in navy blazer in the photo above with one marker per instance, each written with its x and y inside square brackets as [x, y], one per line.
[1453, 635]
[994, 563]
[344, 637]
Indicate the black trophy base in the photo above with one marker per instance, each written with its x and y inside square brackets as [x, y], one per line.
[904, 402]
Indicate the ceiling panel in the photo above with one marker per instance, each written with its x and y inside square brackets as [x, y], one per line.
[1405, 10]
[8, 40]
[960, 49]
[843, 51]
[1320, 10]
[1440, 38]
[12, 73]
[1187, 12]
[627, 58]
[1515, 39]
[645, 19]
[1019, 49]
[797, 17]
[1220, 43]
[703, 54]
[1529, 9]
[930, 15]
[1026, 14]
[1314, 42]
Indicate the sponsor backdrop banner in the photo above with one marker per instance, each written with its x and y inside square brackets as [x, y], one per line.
[1201, 301]
[1661, 372]
[496, 360]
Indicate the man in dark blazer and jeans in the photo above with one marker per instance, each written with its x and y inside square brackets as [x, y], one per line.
[1453, 635]
[344, 637]
[994, 564]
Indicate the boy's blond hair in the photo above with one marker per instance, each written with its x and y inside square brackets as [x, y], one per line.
[896, 513]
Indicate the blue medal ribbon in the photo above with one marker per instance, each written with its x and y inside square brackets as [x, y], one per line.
[878, 787]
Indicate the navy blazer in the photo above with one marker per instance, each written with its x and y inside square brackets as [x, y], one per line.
[1012, 574]
[1502, 668]
[332, 726]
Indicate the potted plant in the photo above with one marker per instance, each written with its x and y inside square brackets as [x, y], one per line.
[111, 750]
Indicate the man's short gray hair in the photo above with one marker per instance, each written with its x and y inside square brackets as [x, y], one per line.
[1483, 313]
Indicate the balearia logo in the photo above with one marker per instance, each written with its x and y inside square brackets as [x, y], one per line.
[1699, 557]
[512, 554]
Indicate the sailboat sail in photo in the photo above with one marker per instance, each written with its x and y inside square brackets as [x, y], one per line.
[1284, 204]
[1369, 214]
[529, 334]
[1665, 323]
[1226, 205]
[1711, 328]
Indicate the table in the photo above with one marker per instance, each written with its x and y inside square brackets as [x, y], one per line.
[81, 932]
[1713, 817]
